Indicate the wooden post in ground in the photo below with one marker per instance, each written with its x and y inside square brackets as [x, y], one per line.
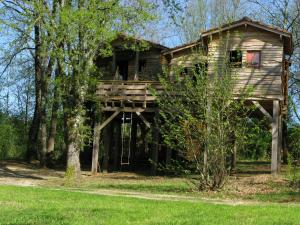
[154, 150]
[233, 157]
[117, 137]
[168, 155]
[284, 142]
[275, 138]
[279, 142]
[133, 143]
[107, 146]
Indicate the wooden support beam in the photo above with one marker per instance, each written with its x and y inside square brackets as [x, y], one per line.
[279, 142]
[143, 119]
[233, 157]
[107, 146]
[128, 109]
[114, 64]
[168, 155]
[284, 142]
[155, 145]
[108, 120]
[275, 138]
[133, 143]
[263, 110]
[116, 153]
[136, 65]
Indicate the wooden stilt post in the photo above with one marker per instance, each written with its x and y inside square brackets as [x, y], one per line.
[155, 140]
[116, 155]
[233, 157]
[107, 146]
[114, 64]
[136, 65]
[284, 142]
[279, 142]
[275, 138]
[168, 155]
[133, 143]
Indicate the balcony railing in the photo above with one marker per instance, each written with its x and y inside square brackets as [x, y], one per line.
[128, 94]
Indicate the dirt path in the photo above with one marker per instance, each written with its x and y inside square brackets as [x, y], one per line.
[22, 174]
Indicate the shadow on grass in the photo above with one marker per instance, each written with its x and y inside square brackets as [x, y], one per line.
[5, 172]
[253, 167]
[281, 197]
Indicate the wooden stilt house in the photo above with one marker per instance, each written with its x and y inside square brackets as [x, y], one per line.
[257, 52]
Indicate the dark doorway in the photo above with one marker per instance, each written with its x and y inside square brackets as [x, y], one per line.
[123, 69]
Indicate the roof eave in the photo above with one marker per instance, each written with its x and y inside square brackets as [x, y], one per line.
[207, 33]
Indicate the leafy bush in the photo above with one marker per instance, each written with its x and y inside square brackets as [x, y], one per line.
[12, 139]
[200, 120]
[258, 140]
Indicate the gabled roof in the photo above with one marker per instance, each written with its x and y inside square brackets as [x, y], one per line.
[138, 39]
[247, 21]
[182, 47]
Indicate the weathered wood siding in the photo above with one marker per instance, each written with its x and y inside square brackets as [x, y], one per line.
[266, 80]
[187, 58]
[153, 66]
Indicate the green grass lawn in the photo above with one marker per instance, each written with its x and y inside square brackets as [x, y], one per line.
[27, 205]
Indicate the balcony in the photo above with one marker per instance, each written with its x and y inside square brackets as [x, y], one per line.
[128, 96]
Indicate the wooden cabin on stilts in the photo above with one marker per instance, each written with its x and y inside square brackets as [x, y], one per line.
[129, 109]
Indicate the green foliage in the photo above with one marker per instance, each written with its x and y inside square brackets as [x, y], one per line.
[293, 171]
[12, 141]
[258, 140]
[294, 140]
[177, 168]
[201, 120]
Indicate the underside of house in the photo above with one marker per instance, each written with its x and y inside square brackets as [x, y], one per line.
[130, 140]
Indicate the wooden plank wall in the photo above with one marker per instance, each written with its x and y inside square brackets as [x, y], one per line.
[152, 69]
[266, 80]
[187, 58]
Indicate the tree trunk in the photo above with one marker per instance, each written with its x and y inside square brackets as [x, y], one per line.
[73, 151]
[32, 147]
[53, 123]
[96, 142]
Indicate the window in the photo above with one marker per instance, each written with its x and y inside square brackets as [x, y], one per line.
[253, 58]
[142, 65]
[235, 58]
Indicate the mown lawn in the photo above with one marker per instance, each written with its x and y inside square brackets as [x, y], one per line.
[27, 205]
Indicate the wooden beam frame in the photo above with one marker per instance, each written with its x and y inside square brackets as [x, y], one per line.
[143, 119]
[108, 120]
[263, 110]
[128, 109]
[136, 65]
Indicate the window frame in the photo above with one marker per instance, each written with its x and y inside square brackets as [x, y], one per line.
[250, 65]
[235, 64]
